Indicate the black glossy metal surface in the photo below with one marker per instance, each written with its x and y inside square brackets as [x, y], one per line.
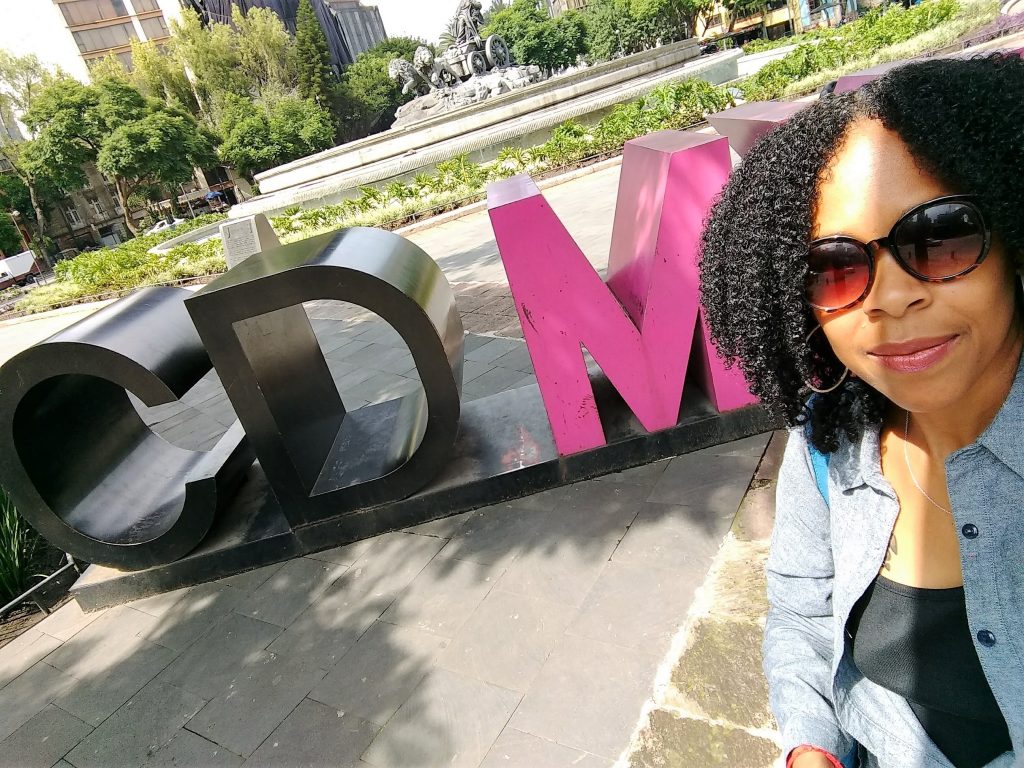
[321, 460]
[76, 457]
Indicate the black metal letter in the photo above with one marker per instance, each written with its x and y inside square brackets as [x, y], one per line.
[78, 460]
[321, 460]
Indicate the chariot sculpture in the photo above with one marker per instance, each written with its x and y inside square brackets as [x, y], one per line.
[471, 69]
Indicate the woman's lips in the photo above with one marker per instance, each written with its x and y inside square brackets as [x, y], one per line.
[915, 355]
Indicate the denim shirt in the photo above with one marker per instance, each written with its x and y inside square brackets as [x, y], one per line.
[824, 556]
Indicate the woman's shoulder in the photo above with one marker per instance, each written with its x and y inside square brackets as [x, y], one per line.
[851, 459]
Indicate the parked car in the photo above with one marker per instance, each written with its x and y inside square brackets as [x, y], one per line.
[163, 224]
[19, 269]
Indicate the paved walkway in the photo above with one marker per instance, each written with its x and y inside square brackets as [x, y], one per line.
[549, 631]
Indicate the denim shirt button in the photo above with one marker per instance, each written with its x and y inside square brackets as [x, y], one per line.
[970, 531]
[986, 638]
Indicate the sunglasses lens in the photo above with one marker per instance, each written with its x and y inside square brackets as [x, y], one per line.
[941, 240]
[837, 274]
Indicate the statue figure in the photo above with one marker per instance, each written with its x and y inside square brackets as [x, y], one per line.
[435, 72]
[468, 20]
[470, 70]
[412, 81]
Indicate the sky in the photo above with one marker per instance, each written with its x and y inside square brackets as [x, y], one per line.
[415, 18]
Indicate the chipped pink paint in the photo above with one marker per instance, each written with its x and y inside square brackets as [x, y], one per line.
[641, 325]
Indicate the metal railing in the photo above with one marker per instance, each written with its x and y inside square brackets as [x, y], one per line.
[30, 593]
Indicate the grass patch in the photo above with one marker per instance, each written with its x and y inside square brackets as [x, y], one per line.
[126, 266]
[970, 16]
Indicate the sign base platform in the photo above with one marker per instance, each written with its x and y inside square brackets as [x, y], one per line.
[504, 451]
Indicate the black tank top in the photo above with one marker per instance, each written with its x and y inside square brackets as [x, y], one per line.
[917, 643]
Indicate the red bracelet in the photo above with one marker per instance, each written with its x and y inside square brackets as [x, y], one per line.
[796, 752]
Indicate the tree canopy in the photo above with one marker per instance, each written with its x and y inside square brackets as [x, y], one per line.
[535, 38]
[369, 97]
[138, 142]
[261, 136]
[22, 79]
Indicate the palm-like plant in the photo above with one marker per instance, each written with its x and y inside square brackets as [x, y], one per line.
[398, 191]
[18, 547]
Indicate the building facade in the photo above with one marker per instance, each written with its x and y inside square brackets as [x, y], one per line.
[558, 7]
[344, 42]
[361, 24]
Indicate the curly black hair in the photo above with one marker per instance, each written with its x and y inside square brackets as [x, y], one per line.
[962, 120]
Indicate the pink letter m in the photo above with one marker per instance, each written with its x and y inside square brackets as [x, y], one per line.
[641, 325]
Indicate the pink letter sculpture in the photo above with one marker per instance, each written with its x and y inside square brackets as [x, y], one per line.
[640, 327]
[745, 124]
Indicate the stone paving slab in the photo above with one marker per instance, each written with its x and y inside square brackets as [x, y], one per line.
[515, 749]
[43, 740]
[448, 721]
[138, 729]
[189, 750]
[586, 695]
[525, 633]
[710, 706]
[258, 700]
[315, 736]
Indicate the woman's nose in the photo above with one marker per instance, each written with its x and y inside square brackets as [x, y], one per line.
[893, 289]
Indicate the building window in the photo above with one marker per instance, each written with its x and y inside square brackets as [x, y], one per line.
[90, 11]
[96, 204]
[71, 214]
[105, 37]
[117, 201]
[155, 27]
[141, 6]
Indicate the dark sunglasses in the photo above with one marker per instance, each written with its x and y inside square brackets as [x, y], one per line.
[940, 240]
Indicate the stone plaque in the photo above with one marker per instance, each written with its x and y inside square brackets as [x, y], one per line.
[245, 237]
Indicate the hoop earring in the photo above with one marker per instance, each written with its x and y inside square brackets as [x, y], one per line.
[846, 370]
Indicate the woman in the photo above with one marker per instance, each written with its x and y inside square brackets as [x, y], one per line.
[867, 251]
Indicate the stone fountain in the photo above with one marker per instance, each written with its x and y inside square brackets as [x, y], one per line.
[473, 68]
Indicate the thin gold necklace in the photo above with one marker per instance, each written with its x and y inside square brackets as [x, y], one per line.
[906, 459]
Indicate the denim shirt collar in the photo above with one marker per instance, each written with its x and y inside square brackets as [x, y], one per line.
[1003, 436]
[859, 463]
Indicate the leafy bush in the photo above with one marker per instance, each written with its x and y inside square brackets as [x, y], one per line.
[830, 49]
[18, 546]
[129, 265]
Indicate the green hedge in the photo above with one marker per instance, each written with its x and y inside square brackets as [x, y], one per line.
[128, 266]
[860, 39]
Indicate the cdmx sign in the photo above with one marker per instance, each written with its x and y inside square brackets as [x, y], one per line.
[87, 472]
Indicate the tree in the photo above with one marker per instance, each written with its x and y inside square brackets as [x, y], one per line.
[266, 51]
[161, 149]
[10, 236]
[260, 136]
[369, 98]
[495, 7]
[137, 142]
[21, 81]
[537, 39]
[624, 27]
[316, 76]
[211, 55]
[158, 75]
